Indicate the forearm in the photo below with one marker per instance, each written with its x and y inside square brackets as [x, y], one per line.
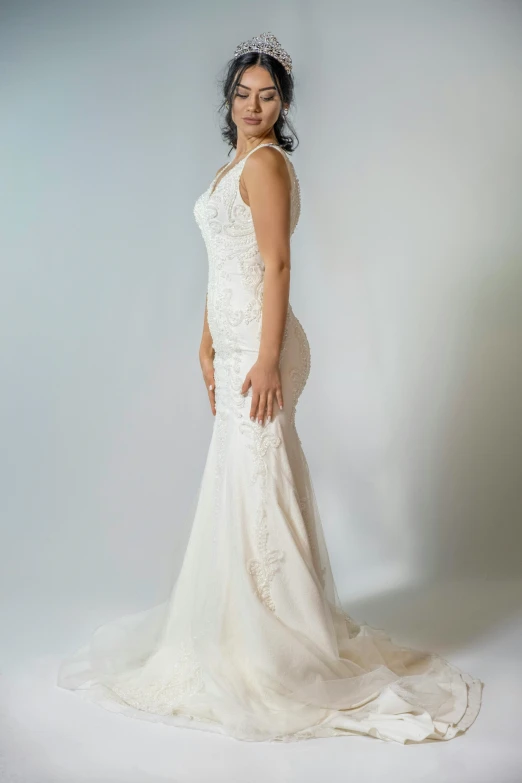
[276, 293]
[206, 338]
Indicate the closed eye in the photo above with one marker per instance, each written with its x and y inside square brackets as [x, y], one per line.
[238, 95]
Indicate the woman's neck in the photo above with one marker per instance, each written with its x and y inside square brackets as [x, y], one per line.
[244, 145]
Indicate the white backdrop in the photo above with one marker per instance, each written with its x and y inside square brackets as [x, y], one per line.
[407, 277]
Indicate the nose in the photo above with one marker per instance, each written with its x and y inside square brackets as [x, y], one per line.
[254, 103]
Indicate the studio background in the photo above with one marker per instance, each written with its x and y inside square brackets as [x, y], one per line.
[406, 275]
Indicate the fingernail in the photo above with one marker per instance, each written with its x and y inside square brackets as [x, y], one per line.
[210, 386]
[251, 418]
[269, 418]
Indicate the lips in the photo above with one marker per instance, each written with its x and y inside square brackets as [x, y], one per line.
[252, 120]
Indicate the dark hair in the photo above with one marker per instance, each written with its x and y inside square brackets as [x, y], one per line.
[284, 83]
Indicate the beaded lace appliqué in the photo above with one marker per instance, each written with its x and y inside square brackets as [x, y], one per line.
[263, 567]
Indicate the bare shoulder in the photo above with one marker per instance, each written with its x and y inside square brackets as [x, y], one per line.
[267, 162]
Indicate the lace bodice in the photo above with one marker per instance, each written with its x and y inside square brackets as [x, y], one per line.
[236, 269]
[226, 191]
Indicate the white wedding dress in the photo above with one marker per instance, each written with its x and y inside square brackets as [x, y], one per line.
[253, 641]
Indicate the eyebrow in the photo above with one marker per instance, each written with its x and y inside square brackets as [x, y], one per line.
[273, 87]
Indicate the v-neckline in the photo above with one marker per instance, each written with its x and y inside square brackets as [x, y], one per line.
[215, 182]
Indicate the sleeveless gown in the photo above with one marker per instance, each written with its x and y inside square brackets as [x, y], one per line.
[253, 641]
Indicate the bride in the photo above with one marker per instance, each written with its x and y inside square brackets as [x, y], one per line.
[253, 641]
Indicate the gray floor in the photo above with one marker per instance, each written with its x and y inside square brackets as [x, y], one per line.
[49, 735]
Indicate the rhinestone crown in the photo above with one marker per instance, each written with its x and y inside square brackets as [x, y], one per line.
[266, 43]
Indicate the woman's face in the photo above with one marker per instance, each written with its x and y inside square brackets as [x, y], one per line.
[255, 96]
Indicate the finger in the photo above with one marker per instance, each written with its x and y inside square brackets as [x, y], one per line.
[261, 408]
[211, 390]
[212, 398]
[269, 405]
[254, 404]
[246, 385]
[279, 395]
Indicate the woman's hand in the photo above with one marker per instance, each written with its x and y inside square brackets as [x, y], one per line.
[206, 360]
[265, 378]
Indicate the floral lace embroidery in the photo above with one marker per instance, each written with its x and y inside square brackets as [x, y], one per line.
[264, 567]
[164, 695]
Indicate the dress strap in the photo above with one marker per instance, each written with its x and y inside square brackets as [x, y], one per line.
[267, 144]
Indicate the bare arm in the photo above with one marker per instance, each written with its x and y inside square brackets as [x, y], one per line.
[206, 338]
[268, 184]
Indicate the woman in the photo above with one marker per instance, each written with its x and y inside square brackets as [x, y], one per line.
[253, 641]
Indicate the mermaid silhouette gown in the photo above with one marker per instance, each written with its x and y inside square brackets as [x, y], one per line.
[253, 641]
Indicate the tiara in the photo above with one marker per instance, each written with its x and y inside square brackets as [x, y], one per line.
[266, 43]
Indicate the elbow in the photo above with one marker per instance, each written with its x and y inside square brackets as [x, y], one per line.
[277, 265]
